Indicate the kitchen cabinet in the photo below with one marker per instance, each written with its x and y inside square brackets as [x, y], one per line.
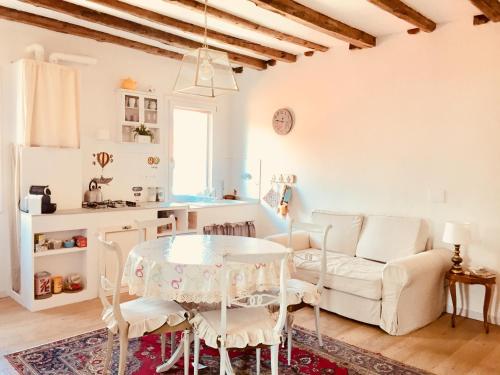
[126, 236]
[136, 108]
[115, 224]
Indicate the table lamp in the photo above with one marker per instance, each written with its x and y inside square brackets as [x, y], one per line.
[456, 234]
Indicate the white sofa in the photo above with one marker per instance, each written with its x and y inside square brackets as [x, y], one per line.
[378, 269]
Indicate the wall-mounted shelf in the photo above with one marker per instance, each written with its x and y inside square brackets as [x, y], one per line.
[138, 108]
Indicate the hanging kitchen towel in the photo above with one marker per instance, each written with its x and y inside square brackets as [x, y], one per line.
[272, 197]
[50, 104]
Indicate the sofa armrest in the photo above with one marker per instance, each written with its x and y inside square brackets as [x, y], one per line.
[300, 239]
[413, 291]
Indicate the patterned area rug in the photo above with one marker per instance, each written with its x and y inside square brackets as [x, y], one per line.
[84, 355]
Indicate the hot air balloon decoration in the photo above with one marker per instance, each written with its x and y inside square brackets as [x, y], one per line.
[103, 159]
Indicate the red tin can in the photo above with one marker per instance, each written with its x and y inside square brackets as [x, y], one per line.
[43, 287]
[80, 241]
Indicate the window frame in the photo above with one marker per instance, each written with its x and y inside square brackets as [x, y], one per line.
[191, 104]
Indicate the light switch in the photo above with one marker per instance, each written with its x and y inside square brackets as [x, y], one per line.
[437, 196]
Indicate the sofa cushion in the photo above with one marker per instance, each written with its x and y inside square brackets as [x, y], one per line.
[357, 276]
[343, 237]
[385, 238]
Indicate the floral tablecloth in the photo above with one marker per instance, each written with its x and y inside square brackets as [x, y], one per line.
[187, 268]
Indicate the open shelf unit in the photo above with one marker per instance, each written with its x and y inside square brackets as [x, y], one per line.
[59, 262]
[62, 251]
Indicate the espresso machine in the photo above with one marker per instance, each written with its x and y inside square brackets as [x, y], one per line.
[38, 201]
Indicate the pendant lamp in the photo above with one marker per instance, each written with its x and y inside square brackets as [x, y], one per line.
[205, 71]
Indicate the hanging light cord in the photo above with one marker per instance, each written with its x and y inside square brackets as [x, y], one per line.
[205, 45]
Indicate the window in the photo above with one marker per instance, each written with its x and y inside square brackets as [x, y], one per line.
[191, 151]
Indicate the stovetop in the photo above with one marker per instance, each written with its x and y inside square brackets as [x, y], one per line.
[108, 204]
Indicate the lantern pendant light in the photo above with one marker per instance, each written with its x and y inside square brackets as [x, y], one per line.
[205, 72]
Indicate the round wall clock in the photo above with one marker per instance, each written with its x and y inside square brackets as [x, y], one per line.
[282, 121]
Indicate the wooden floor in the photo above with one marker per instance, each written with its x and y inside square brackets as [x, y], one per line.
[436, 348]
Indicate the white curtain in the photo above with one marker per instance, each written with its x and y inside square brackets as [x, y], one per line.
[50, 112]
[47, 114]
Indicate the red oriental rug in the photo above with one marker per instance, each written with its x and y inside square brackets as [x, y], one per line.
[84, 355]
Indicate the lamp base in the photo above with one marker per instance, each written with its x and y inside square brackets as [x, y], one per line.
[457, 261]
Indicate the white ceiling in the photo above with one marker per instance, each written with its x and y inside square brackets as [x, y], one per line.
[358, 13]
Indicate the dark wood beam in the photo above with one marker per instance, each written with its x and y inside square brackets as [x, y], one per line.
[80, 31]
[197, 30]
[318, 21]
[107, 20]
[490, 8]
[249, 25]
[403, 11]
[480, 19]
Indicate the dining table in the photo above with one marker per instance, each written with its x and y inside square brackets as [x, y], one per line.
[188, 268]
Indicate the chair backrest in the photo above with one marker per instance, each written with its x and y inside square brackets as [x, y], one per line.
[144, 225]
[110, 287]
[319, 230]
[257, 299]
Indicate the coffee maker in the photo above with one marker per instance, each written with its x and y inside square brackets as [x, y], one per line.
[38, 201]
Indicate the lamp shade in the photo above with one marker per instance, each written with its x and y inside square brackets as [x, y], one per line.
[205, 72]
[456, 233]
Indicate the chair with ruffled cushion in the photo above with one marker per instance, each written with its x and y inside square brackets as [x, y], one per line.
[302, 293]
[248, 322]
[149, 229]
[136, 318]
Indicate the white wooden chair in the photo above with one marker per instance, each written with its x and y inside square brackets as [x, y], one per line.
[143, 226]
[249, 323]
[302, 293]
[138, 317]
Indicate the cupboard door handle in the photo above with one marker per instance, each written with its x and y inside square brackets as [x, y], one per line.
[127, 227]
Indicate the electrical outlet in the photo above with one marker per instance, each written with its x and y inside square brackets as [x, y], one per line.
[437, 195]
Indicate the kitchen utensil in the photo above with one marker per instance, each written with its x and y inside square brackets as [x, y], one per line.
[94, 194]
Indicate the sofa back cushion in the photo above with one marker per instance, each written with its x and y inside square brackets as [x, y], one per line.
[385, 238]
[343, 237]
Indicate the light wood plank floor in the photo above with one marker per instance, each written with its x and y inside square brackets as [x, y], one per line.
[436, 348]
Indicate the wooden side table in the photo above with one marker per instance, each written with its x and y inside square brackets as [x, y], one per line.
[470, 279]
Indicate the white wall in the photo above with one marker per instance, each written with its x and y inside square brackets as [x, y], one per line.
[99, 109]
[377, 129]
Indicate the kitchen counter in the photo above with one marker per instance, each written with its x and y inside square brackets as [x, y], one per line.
[155, 206]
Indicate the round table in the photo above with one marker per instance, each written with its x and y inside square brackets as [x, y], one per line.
[187, 268]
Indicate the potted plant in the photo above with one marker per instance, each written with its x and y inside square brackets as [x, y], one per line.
[142, 134]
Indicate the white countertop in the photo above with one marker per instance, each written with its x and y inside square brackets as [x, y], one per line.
[154, 206]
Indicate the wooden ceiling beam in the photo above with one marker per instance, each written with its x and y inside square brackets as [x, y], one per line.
[480, 19]
[107, 20]
[197, 30]
[401, 10]
[80, 31]
[490, 8]
[249, 25]
[318, 21]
